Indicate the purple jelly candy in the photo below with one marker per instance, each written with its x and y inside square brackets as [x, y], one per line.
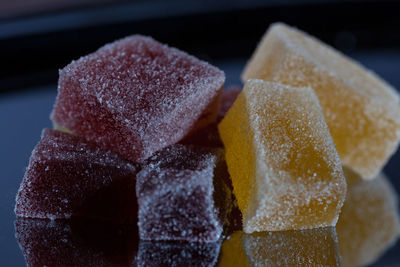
[137, 96]
[67, 177]
[181, 195]
[178, 253]
[67, 243]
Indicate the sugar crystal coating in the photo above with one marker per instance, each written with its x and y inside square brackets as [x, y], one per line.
[369, 222]
[181, 195]
[68, 177]
[136, 96]
[67, 243]
[361, 110]
[312, 247]
[178, 253]
[285, 170]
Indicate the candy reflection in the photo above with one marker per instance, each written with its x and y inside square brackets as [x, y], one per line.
[178, 253]
[315, 247]
[369, 222]
[75, 243]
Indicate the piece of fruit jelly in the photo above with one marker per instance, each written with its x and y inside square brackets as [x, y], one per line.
[74, 243]
[369, 222]
[178, 253]
[209, 136]
[285, 171]
[69, 177]
[181, 195]
[361, 110]
[136, 96]
[312, 247]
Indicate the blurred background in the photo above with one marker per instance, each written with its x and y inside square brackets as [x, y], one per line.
[39, 37]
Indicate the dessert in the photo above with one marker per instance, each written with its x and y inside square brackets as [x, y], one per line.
[285, 170]
[182, 195]
[137, 96]
[68, 177]
[361, 110]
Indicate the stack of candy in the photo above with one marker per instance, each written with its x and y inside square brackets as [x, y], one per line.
[143, 131]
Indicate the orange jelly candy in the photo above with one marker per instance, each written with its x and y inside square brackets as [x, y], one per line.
[361, 110]
[285, 171]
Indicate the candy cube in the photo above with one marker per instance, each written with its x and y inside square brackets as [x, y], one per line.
[285, 171]
[313, 247]
[136, 96]
[369, 222]
[178, 253]
[77, 243]
[182, 196]
[361, 110]
[68, 177]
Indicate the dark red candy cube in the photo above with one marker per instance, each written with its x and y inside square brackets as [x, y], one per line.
[137, 96]
[181, 195]
[68, 177]
[178, 253]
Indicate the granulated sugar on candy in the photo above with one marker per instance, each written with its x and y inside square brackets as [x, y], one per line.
[68, 177]
[182, 196]
[136, 96]
[285, 171]
[361, 110]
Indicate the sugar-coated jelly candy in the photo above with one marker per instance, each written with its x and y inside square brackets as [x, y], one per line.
[285, 171]
[178, 253]
[312, 247]
[369, 222]
[181, 195]
[69, 177]
[75, 243]
[136, 96]
[361, 110]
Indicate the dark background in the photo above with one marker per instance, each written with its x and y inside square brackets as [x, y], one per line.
[39, 37]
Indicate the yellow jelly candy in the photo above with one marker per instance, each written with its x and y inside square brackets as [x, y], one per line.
[285, 171]
[369, 221]
[361, 110]
[314, 247]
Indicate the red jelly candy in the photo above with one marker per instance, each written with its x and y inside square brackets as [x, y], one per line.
[67, 177]
[136, 96]
[182, 196]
